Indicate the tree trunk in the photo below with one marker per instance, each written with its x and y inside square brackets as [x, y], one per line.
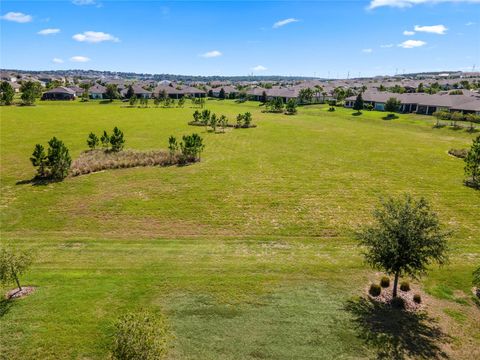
[395, 283]
[18, 282]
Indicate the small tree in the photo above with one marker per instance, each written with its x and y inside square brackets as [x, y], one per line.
[472, 163]
[30, 91]
[473, 119]
[247, 119]
[111, 92]
[206, 117]
[172, 146]
[441, 115]
[140, 336]
[59, 159]
[223, 122]
[197, 116]
[39, 160]
[239, 120]
[133, 100]
[181, 102]
[191, 147]
[92, 141]
[358, 105]
[455, 117]
[291, 107]
[157, 101]
[130, 92]
[221, 94]
[13, 265]
[213, 122]
[263, 98]
[7, 93]
[392, 105]
[105, 140]
[116, 140]
[405, 239]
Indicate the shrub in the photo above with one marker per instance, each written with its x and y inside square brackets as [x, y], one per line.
[59, 159]
[92, 141]
[140, 336]
[405, 286]
[417, 298]
[385, 282]
[133, 100]
[116, 140]
[291, 107]
[375, 290]
[331, 109]
[191, 147]
[105, 139]
[398, 303]
[39, 160]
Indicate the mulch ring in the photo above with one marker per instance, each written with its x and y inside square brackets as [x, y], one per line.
[386, 297]
[17, 294]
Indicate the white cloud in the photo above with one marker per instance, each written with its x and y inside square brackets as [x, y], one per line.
[57, 60]
[94, 37]
[434, 29]
[259, 68]
[410, 44]
[386, 46]
[408, 33]
[48, 31]
[83, 2]
[79, 59]
[284, 22]
[17, 17]
[211, 54]
[367, 51]
[470, 23]
[409, 3]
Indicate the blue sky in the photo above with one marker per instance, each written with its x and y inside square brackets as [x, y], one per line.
[309, 38]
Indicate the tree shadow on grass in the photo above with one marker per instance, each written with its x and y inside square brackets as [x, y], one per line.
[36, 182]
[397, 334]
[390, 117]
[358, 113]
[5, 305]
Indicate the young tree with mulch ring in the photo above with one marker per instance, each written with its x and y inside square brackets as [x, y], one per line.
[405, 238]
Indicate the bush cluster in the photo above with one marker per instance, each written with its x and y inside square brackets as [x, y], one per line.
[114, 142]
[385, 282]
[190, 147]
[208, 119]
[405, 286]
[375, 290]
[455, 117]
[53, 164]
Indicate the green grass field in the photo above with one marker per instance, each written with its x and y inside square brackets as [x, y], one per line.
[250, 253]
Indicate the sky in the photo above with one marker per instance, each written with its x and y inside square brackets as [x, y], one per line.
[329, 39]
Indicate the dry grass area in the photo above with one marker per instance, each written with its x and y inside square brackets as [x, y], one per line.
[98, 160]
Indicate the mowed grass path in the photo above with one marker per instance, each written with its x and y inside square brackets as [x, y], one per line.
[249, 253]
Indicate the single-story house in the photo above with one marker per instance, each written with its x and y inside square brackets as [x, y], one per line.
[59, 93]
[97, 91]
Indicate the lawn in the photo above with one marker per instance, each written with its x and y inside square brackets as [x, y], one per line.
[250, 253]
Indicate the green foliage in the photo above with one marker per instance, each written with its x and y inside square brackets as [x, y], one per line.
[140, 336]
[472, 163]
[191, 148]
[223, 121]
[6, 93]
[116, 140]
[59, 159]
[213, 122]
[112, 92]
[405, 286]
[385, 282]
[132, 100]
[358, 105]
[405, 238]
[305, 96]
[206, 117]
[417, 298]
[172, 146]
[92, 141]
[105, 139]
[130, 92]
[13, 264]
[392, 105]
[30, 91]
[197, 116]
[221, 94]
[455, 117]
[247, 119]
[39, 160]
[375, 290]
[181, 102]
[291, 107]
[275, 104]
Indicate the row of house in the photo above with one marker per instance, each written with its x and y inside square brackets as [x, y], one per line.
[421, 103]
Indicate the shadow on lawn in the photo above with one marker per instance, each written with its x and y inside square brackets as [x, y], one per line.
[37, 182]
[397, 334]
[5, 306]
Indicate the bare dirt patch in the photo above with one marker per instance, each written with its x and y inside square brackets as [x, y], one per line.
[17, 294]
